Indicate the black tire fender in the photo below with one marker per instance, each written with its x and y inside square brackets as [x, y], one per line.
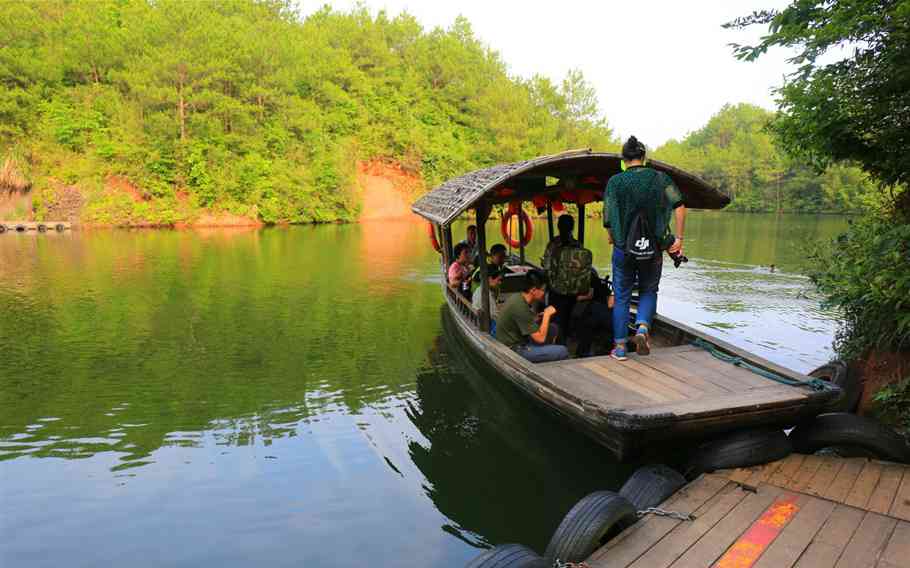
[59, 227]
[740, 449]
[42, 228]
[21, 228]
[587, 526]
[2, 228]
[844, 429]
[508, 556]
[839, 373]
[651, 485]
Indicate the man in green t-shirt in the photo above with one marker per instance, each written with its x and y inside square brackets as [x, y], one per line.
[517, 325]
[636, 198]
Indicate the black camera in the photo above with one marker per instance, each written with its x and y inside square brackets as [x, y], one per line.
[678, 258]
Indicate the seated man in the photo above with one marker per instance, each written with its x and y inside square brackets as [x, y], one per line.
[494, 278]
[497, 261]
[593, 314]
[460, 271]
[517, 326]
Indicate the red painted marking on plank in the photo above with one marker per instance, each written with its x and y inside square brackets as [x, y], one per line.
[746, 551]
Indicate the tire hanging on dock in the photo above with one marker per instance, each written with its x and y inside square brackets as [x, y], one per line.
[651, 485]
[739, 449]
[838, 373]
[842, 429]
[588, 525]
[508, 556]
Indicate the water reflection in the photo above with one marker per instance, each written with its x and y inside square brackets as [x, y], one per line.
[177, 397]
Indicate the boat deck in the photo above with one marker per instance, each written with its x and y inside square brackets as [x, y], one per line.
[681, 380]
[803, 511]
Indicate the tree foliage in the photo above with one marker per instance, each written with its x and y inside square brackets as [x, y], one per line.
[246, 106]
[855, 108]
[736, 151]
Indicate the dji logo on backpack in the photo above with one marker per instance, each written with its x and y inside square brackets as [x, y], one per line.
[642, 243]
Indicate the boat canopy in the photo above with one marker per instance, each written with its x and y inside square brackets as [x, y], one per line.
[571, 177]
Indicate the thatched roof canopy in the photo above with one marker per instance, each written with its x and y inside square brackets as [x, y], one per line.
[576, 172]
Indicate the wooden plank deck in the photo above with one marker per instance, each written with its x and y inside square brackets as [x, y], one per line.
[683, 380]
[802, 511]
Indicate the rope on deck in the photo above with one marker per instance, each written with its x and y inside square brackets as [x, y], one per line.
[814, 384]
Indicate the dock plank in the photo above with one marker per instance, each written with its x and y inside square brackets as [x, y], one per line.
[897, 551]
[888, 483]
[763, 473]
[843, 482]
[790, 466]
[900, 508]
[637, 539]
[789, 545]
[806, 472]
[824, 477]
[713, 544]
[832, 538]
[865, 485]
[868, 542]
[684, 535]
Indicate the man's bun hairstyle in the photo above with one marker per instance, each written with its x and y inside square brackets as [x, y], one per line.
[633, 149]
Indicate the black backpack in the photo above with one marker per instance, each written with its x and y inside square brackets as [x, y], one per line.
[641, 244]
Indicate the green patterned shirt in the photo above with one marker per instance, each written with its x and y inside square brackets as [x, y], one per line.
[637, 188]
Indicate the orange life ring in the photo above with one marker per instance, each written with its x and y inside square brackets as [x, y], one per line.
[434, 242]
[528, 228]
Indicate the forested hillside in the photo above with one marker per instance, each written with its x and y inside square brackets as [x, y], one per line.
[145, 112]
[737, 152]
[244, 106]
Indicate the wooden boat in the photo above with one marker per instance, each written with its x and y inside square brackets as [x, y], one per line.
[692, 386]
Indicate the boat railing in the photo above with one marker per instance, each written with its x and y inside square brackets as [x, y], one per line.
[464, 306]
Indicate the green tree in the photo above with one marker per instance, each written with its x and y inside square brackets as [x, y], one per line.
[855, 108]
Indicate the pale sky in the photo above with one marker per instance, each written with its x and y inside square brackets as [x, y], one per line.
[661, 68]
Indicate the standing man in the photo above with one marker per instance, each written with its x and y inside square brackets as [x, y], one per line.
[473, 247]
[638, 204]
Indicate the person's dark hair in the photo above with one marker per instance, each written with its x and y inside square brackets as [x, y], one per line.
[460, 247]
[633, 149]
[498, 247]
[472, 228]
[535, 279]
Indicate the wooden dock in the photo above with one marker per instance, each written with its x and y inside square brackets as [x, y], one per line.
[803, 511]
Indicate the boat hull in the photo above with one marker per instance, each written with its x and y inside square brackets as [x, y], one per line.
[626, 433]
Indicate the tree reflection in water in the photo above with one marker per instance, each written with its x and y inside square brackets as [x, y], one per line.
[499, 466]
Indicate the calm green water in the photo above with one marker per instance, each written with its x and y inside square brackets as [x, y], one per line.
[287, 397]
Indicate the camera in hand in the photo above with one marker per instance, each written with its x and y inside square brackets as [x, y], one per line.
[678, 258]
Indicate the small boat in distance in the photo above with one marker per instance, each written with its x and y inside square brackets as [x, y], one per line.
[692, 386]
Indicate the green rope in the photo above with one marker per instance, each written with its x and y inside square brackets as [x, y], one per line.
[814, 384]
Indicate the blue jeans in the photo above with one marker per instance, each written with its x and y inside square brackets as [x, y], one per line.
[543, 352]
[537, 353]
[624, 272]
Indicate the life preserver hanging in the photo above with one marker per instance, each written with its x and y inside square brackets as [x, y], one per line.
[526, 222]
[431, 230]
